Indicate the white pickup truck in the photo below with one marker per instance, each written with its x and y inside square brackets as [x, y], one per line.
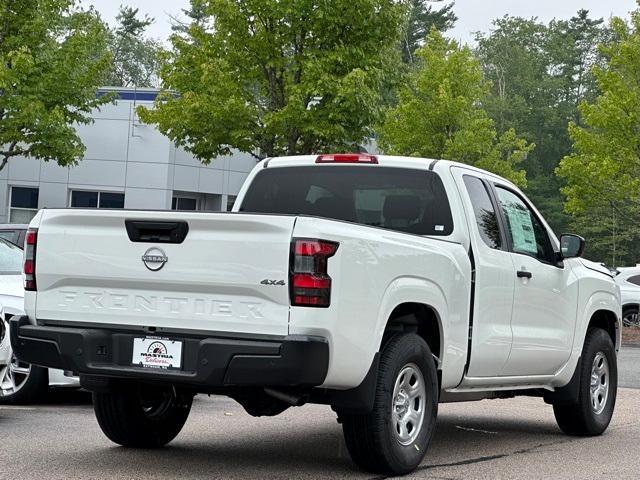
[378, 285]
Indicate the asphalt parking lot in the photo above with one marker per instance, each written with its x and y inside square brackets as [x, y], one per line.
[490, 439]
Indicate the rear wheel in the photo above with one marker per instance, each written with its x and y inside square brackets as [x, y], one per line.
[142, 417]
[394, 437]
[592, 412]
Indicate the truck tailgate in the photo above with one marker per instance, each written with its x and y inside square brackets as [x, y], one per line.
[88, 269]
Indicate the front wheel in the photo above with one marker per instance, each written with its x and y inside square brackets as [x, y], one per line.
[142, 417]
[592, 412]
[394, 437]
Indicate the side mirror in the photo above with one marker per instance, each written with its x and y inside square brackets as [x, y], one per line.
[571, 245]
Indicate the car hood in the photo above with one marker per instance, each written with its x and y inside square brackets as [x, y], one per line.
[596, 267]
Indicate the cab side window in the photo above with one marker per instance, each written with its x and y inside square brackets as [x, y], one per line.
[528, 235]
[484, 212]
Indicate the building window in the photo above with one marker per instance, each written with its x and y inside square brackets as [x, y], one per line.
[23, 204]
[184, 203]
[111, 200]
[88, 199]
[231, 199]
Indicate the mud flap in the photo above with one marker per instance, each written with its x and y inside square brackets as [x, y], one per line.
[568, 394]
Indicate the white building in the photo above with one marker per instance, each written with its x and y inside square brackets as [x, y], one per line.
[127, 164]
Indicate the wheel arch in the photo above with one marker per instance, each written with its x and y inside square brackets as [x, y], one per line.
[601, 308]
[424, 305]
[408, 305]
[608, 321]
[420, 318]
[414, 304]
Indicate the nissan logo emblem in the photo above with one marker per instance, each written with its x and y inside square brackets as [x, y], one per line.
[154, 259]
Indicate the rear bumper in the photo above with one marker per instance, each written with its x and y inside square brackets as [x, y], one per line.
[207, 361]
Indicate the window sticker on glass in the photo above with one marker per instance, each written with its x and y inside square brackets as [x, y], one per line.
[522, 234]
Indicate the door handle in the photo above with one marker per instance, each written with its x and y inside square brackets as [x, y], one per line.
[524, 274]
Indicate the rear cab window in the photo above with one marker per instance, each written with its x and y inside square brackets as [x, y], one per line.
[401, 199]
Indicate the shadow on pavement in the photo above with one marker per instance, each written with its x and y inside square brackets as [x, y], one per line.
[66, 397]
[282, 452]
[314, 454]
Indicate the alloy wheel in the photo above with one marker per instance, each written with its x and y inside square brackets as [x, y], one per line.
[631, 319]
[13, 376]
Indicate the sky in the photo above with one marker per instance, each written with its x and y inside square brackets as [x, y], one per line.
[473, 15]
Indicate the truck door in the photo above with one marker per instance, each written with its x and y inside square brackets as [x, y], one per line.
[494, 277]
[546, 293]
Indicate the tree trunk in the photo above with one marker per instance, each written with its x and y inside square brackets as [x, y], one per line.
[10, 152]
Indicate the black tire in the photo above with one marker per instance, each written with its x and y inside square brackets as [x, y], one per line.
[371, 438]
[581, 418]
[141, 417]
[33, 389]
[630, 317]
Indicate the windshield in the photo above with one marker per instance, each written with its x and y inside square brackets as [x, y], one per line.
[10, 258]
[400, 199]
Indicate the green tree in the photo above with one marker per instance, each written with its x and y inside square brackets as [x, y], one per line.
[272, 77]
[439, 114]
[196, 13]
[603, 171]
[135, 58]
[421, 17]
[513, 60]
[53, 56]
[539, 74]
[572, 46]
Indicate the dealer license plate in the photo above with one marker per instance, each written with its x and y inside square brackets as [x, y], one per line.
[156, 352]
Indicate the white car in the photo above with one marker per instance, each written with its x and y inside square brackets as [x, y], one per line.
[19, 381]
[14, 232]
[629, 281]
[378, 285]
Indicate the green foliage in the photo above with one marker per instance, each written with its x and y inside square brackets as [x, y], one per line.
[273, 77]
[439, 114]
[544, 192]
[611, 234]
[52, 58]
[421, 18]
[539, 75]
[196, 13]
[603, 172]
[135, 59]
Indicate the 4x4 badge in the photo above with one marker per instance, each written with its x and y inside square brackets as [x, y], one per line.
[266, 281]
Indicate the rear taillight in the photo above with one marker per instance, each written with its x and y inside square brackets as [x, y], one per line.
[347, 158]
[29, 270]
[309, 281]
